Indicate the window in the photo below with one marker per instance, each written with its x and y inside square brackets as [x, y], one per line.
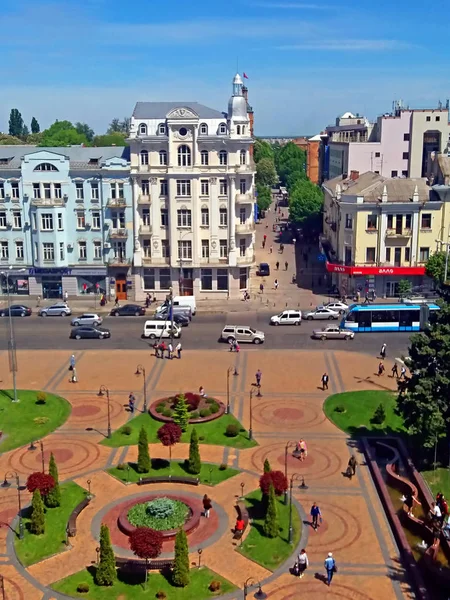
[390, 221]
[205, 217]
[424, 254]
[204, 156]
[164, 217]
[372, 221]
[388, 255]
[203, 129]
[162, 129]
[19, 249]
[185, 250]
[183, 187]
[223, 157]
[428, 119]
[4, 250]
[238, 129]
[94, 191]
[163, 158]
[144, 157]
[149, 279]
[163, 188]
[34, 220]
[118, 220]
[205, 248]
[437, 118]
[425, 222]
[222, 279]
[184, 217]
[164, 279]
[377, 172]
[15, 189]
[145, 187]
[223, 217]
[36, 251]
[45, 167]
[79, 191]
[81, 219]
[370, 255]
[117, 190]
[394, 173]
[242, 186]
[405, 155]
[206, 279]
[408, 220]
[97, 250]
[184, 156]
[406, 137]
[47, 191]
[348, 221]
[142, 129]
[36, 190]
[242, 215]
[223, 248]
[407, 254]
[405, 173]
[377, 155]
[61, 250]
[2, 219]
[243, 157]
[82, 250]
[17, 219]
[47, 222]
[48, 251]
[2, 190]
[57, 192]
[60, 222]
[146, 216]
[147, 249]
[397, 257]
[222, 129]
[96, 223]
[165, 248]
[223, 187]
[242, 247]
[204, 187]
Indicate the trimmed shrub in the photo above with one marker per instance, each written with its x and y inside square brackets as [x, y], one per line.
[193, 400]
[277, 479]
[41, 398]
[205, 412]
[143, 461]
[106, 570]
[167, 412]
[339, 408]
[223, 467]
[181, 413]
[270, 526]
[201, 438]
[214, 408]
[194, 415]
[126, 430]
[194, 463]
[122, 466]
[214, 586]
[267, 467]
[53, 498]
[210, 401]
[37, 523]
[160, 408]
[180, 573]
[83, 588]
[41, 420]
[379, 416]
[232, 430]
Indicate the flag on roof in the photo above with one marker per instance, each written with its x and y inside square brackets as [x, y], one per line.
[245, 75]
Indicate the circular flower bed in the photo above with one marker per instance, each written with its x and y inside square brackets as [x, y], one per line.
[160, 514]
[201, 410]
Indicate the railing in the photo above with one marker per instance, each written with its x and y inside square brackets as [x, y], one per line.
[144, 199]
[116, 202]
[245, 259]
[246, 198]
[118, 261]
[49, 201]
[394, 233]
[245, 228]
[118, 233]
[145, 229]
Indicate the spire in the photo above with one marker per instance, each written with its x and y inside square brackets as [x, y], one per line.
[237, 85]
[384, 195]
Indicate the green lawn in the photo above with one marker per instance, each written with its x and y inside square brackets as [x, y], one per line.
[269, 552]
[439, 480]
[161, 467]
[17, 418]
[34, 548]
[127, 589]
[212, 432]
[358, 412]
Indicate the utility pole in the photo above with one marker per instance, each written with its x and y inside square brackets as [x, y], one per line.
[12, 341]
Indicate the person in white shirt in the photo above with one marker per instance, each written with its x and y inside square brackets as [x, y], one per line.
[436, 514]
[169, 351]
[178, 349]
[303, 562]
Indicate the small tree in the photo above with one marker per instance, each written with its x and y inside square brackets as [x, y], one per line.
[143, 463]
[379, 416]
[181, 412]
[146, 543]
[404, 288]
[106, 570]
[275, 478]
[37, 524]
[194, 463]
[40, 481]
[181, 562]
[270, 527]
[169, 435]
[267, 467]
[35, 126]
[53, 498]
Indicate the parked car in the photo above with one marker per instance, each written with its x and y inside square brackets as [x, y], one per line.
[287, 317]
[159, 329]
[264, 270]
[85, 332]
[61, 309]
[16, 310]
[242, 333]
[340, 307]
[87, 319]
[321, 313]
[333, 332]
[179, 319]
[128, 310]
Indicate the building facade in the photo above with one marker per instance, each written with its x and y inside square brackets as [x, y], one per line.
[378, 231]
[193, 188]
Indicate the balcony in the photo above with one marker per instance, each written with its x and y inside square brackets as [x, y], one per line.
[49, 201]
[398, 233]
[143, 199]
[246, 260]
[118, 233]
[116, 202]
[154, 261]
[245, 198]
[245, 228]
[118, 261]
[145, 229]
[245, 168]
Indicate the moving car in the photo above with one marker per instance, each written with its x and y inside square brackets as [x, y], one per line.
[164, 311]
[128, 310]
[333, 332]
[160, 329]
[264, 270]
[341, 307]
[87, 319]
[321, 312]
[179, 319]
[287, 317]
[85, 332]
[16, 310]
[242, 333]
[61, 309]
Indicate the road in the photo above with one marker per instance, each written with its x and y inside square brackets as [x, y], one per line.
[37, 333]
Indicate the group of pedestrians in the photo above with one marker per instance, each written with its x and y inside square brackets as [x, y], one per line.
[166, 351]
[381, 368]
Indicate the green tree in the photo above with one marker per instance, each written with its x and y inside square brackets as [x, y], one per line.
[25, 131]
[34, 126]
[106, 569]
[180, 574]
[109, 139]
[305, 202]
[181, 412]
[143, 462]
[53, 498]
[290, 159]
[404, 288]
[118, 126]
[262, 150]
[379, 416]
[267, 467]
[435, 267]
[34, 139]
[265, 172]
[84, 129]
[62, 133]
[194, 463]
[15, 123]
[37, 523]
[263, 197]
[270, 526]
[9, 140]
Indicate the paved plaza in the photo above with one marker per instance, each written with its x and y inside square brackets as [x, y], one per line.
[354, 525]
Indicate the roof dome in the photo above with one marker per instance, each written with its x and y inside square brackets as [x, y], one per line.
[237, 109]
[237, 79]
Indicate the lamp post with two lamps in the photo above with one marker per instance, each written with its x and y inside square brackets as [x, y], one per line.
[290, 444]
[229, 371]
[101, 392]
[6, 484]
[250, 429]
[294, 477]
[259, 594]
[33, 447]
[12, 340]
[140, 370]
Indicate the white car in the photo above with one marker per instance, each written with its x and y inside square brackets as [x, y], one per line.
[287, 317]
[341, 307]
[61, 309]
[333, 332]
[87, 319]
[322, 313]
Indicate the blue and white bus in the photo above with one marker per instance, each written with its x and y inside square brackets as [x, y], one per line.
[387, 317]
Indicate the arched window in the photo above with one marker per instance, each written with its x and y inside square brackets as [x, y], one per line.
[238, 129]
[223, 157]
[144, 157]
[142, 129]
[243, 129]
[204, 157]
[203, 129]
[162, 129]
[222, 129]
[243, 157]
[45, 167]
[163, 157]
[184, 156]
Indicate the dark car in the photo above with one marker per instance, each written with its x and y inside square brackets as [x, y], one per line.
[17, 310]
[128, 310]
[85, 332]
[263, 270]
[178, 319]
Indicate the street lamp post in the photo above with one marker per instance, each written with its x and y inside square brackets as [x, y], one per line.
[6, 484]
[250, 430]
[286, 449]
[229, 371]
[32, 447]
[199, 552]
[12, 339]
[101, 392]
[295, 476]
[140, 370]
[259, 594]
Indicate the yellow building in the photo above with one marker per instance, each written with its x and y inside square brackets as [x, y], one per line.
[378, 231]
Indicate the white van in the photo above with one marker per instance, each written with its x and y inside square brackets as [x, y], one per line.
[160, 329]
[181, 301]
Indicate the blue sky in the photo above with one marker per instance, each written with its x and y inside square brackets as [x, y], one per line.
[307, 62]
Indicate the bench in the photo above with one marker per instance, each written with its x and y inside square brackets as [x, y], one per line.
[242, 514]
[72, 522]
[169, 479]
[136, 564]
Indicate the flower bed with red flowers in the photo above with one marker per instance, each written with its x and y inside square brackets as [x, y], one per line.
[201, 409]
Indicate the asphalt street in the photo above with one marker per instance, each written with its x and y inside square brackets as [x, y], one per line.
[203, 333]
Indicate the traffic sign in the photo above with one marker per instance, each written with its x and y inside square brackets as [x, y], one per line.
[321, 258]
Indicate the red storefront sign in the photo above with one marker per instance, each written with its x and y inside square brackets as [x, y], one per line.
[333, 268]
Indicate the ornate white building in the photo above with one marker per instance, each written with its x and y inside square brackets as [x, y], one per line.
[193, 189]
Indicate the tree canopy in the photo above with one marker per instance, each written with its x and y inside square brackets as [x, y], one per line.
[265, 172]
[118, 126]
[84, 129]
[34, 126]
[290, 159]
[305, 203]
[264, 197]
[16, 124]
[435, 267]
[62, 133]
[109, 139]
[262, 150]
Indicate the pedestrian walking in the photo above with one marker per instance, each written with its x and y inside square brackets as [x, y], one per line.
[162, 349]
[72, 362]
[201, 391]
[275, 284]
[263, 244]
[277, 264]
[258, 378]
[383, 351]
[351, 468]
[156, 349]
[170, 351]
[261, 288]
[38, 301]
[330, 567]
[66, 296]
[179, 349]
[281, 248]
[271, 249]
[403, 373]
[116, 303]
[325, 380]
[207, 505]
[394, 371]
[286, 265]
[131, 402]
[303, 562]
[380, 369]
[315, 514]
[358, 296]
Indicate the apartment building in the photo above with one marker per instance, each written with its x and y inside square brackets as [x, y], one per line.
[65, 220]
[379, 230]
[193, 189]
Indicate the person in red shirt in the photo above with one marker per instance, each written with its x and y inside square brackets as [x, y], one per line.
[240, 525]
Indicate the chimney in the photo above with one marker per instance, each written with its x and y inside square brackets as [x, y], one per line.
[245, 92]
[354, 175]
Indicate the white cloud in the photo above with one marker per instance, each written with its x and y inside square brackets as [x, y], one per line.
[347, 45]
